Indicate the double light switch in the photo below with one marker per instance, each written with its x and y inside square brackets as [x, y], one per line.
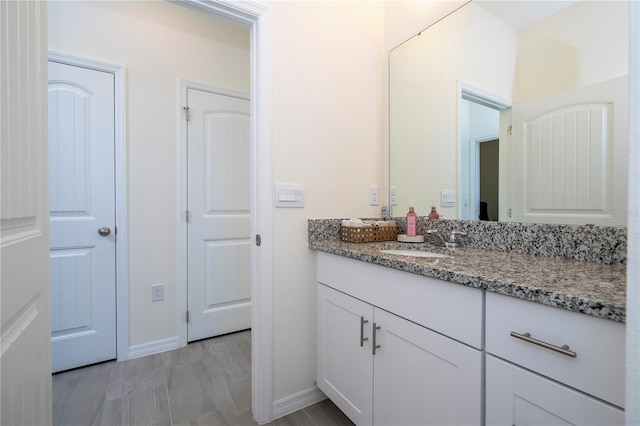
[289, 195]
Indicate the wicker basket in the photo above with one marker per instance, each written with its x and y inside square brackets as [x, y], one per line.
[368, 234]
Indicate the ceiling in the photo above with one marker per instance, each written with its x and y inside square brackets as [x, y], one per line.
[520, 13]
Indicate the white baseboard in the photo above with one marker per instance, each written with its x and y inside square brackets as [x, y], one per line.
[151, 348]
[297, 401]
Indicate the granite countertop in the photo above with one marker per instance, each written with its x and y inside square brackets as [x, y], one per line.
[594, 289]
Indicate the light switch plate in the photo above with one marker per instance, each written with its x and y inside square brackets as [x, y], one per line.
[289, 195]
[448, 198]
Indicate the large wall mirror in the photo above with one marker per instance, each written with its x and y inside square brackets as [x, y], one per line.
[514, 111]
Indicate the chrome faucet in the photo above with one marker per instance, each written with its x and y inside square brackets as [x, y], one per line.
[440, 240]
[437, 237]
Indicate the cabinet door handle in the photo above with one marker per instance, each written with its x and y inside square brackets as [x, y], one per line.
[564, 350]
[362, 338]
[375, 346]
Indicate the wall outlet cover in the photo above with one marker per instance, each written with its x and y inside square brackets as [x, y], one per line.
[157, 292]
[393, 196]
[374, 195]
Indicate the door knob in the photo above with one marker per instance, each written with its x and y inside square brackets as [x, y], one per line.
[104, 231]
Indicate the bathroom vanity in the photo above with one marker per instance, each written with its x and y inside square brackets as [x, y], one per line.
[476, 337]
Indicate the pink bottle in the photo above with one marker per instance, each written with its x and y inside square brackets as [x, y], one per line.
[412, 220]
[434, 214]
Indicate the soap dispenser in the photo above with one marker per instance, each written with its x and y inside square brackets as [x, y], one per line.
[433, 214]
[412, 221]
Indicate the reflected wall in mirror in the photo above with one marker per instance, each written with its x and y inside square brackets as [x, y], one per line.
[552, 91]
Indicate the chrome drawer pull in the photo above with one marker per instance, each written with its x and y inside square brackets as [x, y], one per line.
[564, 350]
[362, 338]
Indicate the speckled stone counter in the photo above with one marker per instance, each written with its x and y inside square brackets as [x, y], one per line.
[592, 288]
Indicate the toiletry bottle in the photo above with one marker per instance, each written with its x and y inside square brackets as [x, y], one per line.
[383, 212]
[412, 222]
[434, 214]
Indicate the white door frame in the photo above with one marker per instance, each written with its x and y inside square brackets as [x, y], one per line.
[122, 299]
[474, 94]
[256, 17]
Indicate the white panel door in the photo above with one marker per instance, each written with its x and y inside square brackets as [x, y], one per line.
[25, 356]
[569, 157]
[81, 202]
[515, 396]
[219, 203]
[345, 359]
[424, 378]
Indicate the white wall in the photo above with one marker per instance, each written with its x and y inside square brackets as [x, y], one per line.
[406, 18]
[471, 46]
[327, 60]
[585, 43]
[327, 74]
[158, 43]
[328, 103]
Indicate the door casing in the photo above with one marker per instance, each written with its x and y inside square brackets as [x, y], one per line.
[122, 301]
[483, 97]
[255, 16]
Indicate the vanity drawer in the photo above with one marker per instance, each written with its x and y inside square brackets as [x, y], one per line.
[599, 345]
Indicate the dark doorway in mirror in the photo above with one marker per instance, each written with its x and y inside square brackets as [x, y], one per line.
[489, 183]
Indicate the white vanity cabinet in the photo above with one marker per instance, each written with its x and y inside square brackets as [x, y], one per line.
[439, 342]
[417, 375]
[422, 377]
[530, 382]
[344, 365]
[515, 396]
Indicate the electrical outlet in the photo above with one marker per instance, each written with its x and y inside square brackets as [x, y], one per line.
[373, 195]
[393, 196]
[157, 292]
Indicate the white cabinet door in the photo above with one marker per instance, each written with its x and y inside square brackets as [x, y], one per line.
[422, 377]
[517, 397]
[345, 363]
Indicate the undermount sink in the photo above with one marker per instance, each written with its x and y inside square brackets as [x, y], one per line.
[413, 253]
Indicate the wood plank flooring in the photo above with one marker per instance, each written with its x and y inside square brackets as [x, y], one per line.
[204, 383]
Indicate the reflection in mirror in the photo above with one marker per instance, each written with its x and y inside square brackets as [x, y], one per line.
[551, 91]
[479, 148]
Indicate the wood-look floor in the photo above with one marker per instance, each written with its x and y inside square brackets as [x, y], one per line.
[204, 383]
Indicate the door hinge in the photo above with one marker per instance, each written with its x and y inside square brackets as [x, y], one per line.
[187, 116]
[188, 316]
[258, 240]
[187, 216]
[510, 130]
